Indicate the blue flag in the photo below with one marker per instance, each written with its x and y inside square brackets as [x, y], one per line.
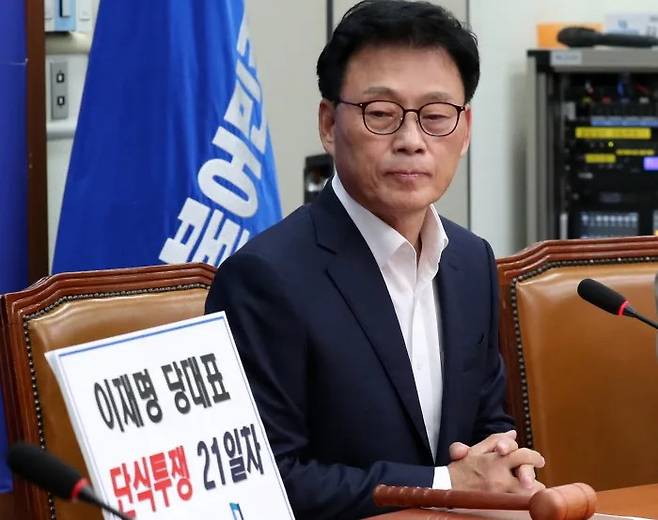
[13, 174]
[172, 160]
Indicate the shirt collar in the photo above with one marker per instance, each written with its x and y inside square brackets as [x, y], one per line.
[384, 241]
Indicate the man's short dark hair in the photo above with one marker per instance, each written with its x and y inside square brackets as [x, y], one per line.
[397, 22]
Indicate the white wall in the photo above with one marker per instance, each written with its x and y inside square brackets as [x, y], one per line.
[288, 36]
[505, 29]
[73, 49]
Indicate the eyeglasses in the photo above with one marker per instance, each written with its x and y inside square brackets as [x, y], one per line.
[437, 119]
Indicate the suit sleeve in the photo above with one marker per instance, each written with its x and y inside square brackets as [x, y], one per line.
[270, 334]
[491, 414]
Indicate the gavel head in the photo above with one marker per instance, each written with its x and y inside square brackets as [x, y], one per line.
[569, 502]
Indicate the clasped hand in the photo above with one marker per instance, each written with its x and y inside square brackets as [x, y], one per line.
[495, 464]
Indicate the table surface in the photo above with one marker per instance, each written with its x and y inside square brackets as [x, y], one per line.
[640, 501]
[633, 501]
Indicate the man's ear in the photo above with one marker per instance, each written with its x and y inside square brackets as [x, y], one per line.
[326, 124]
[468, 121]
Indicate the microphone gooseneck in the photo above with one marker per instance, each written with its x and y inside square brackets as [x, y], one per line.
[50, 473]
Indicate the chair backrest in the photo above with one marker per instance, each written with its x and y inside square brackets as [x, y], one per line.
[583, 384]
[68, 309]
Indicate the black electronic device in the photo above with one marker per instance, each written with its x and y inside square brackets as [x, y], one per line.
[587, 37]
[609, 154]
[598, 133]
[318, 169]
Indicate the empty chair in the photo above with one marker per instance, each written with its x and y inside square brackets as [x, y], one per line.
[583, 384]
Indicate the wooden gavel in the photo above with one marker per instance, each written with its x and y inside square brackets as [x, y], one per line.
[568, 502]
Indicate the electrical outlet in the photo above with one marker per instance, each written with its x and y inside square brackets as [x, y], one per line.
[59, 89]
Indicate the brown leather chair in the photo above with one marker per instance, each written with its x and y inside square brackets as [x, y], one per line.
[67, 309]
[583, 384]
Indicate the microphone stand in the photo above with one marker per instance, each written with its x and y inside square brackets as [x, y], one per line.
[86, 494]
[633, 314]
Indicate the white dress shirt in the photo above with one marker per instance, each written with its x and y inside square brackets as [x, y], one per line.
[409, 281]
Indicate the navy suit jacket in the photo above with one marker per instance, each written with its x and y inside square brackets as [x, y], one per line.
[321, 345]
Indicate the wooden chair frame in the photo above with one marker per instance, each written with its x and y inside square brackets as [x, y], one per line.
[20, 384]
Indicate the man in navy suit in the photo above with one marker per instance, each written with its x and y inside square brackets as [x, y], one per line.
[366, 323]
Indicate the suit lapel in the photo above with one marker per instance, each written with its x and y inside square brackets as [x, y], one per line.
[359, 280]
[453, 324]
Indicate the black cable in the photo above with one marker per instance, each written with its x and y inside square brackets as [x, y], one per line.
[330, 19]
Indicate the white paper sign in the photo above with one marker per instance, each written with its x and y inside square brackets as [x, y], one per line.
[168, 426]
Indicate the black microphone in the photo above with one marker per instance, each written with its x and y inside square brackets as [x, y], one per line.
[48, 472]
[586, 37]
[610, 301]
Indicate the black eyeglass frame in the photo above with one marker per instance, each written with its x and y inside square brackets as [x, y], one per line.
[405, 111]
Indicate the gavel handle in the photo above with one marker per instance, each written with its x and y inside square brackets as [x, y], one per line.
[399, 496]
